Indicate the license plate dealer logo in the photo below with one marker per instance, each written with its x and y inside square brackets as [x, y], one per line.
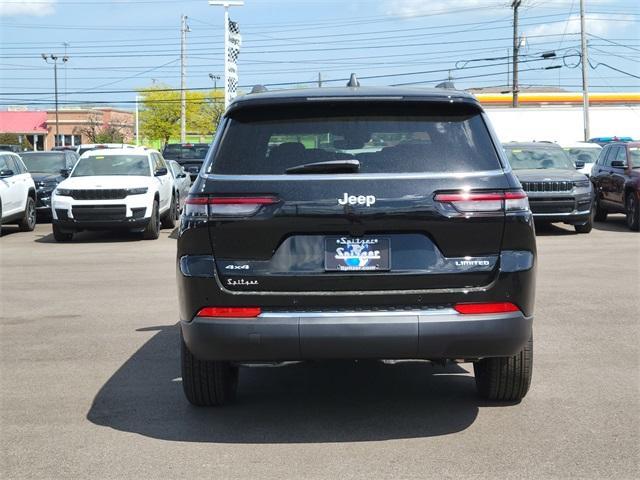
[357, 254]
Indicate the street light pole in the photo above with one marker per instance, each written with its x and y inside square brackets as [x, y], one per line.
[215, 79]
[54, 60]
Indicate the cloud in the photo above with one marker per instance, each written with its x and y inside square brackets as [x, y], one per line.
[40, 8]
[597, 24]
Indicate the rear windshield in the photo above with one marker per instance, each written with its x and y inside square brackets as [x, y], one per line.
[186, 152]
[112, 165]
[538, 158]
[383, 140]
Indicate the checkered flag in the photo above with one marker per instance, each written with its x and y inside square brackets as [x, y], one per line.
[235, 40]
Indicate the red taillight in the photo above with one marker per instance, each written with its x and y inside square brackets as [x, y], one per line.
[242, 200]
[470, 202]
[479, 308]
[226, 206]
[230, 312]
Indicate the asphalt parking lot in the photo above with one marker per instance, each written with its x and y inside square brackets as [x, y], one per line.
[90, 379]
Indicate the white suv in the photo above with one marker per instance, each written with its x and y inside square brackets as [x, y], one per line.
[17, 193]
[115, 189]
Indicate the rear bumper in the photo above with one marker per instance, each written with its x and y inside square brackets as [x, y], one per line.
[428, 334]
[573, 218]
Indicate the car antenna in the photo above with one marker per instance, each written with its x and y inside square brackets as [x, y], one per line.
[259, 89]
[353, 81]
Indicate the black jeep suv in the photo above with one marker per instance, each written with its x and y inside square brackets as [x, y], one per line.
[356, 223]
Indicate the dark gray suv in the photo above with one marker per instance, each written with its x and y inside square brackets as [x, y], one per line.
[557, 191]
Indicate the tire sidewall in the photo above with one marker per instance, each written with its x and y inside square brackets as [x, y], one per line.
[632, 210]
[28, 222]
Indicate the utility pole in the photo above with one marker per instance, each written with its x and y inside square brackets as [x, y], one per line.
[54, 59]
[183, 74]
[516, 46]
[137, 119]
[585, 72]
[508, 68]
[319, 79]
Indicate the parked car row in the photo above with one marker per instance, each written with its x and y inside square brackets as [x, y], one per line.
[579, 183]
[131, 188]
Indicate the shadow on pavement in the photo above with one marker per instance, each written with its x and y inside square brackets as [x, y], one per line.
[95, 237]
[311, 402]
[548, 229]
[614, 223]
[8, 230]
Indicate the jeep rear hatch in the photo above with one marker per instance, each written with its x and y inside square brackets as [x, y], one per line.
[424, 209]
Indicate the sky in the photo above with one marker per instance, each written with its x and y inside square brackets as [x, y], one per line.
[117, 46]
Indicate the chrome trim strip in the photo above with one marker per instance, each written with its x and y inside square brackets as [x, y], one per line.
[584, 212]
[351, 176]
[373, 313]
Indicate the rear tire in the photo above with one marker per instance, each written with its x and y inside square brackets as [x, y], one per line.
[28, 221]
[505, 379]
[169, 218]
[152, 232]
[205, 383]
[60, 235]
[600, 214]
[632, 209]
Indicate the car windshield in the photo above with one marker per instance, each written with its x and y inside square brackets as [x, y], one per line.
[369, 138]
[186, 152]
[538, 158]
[586, 155]
[44, 162]
[112, 165]
[634, 156]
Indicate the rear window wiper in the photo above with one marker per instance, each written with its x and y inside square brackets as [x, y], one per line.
[332, 166]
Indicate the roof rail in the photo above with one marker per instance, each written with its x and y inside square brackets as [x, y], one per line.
[259, 89]
[353, 81]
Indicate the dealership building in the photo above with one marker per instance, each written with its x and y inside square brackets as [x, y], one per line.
[39, 127]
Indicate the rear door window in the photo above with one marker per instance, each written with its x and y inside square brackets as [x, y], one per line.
[383, 138]
[4, 164]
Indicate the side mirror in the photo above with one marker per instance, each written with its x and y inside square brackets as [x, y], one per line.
[161, 172]
[6, 173]
[181, 175]
[618, 164]
[579, 164]
[65, 172]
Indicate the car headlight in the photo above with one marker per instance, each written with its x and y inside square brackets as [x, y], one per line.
[137, 191]
[581, 183]
[63, 192]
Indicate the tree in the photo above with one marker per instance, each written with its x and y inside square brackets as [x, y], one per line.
[97, 132]
[160, 117]
[204, 110]
[14, 139]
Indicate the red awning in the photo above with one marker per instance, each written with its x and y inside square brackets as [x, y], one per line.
[23, 122]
